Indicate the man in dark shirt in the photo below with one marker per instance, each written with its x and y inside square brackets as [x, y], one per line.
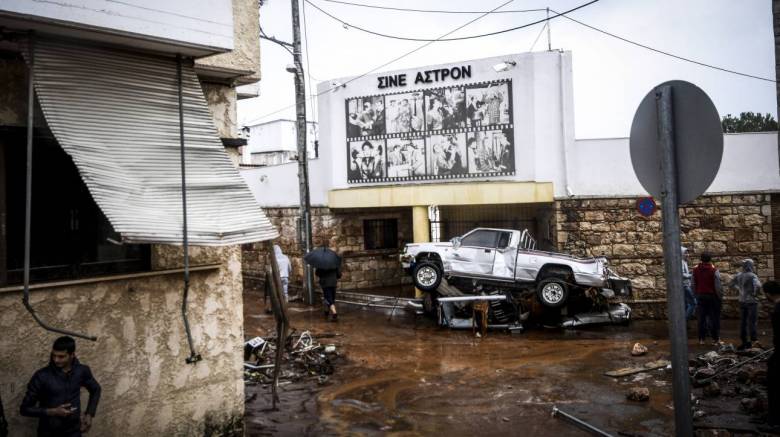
[53, 394]
[772, 290]
[3, 423]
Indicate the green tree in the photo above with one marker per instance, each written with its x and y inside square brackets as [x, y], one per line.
[749, 122]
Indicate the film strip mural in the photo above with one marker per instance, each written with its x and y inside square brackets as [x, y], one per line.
[454, 132]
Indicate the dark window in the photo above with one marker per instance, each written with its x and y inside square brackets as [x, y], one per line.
[480, 239]
[380, 234]
[70, 236]
[503, 239]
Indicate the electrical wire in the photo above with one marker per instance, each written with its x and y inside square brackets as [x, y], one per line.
[537, 37]
[397, 58]
[308, 68]
[432, 11]
[678, 57]
[460, 38]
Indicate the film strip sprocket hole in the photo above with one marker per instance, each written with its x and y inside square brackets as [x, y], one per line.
[460, 131]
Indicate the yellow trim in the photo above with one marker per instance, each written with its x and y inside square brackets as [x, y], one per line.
[467, 193]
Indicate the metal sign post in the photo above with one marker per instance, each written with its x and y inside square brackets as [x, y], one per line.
[678, 337]
[676, 151]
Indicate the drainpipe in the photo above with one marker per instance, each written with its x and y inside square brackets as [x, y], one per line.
[194, 357]
[28, 197]
[564, 129]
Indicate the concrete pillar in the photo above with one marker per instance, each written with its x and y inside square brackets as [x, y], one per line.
[421, 231]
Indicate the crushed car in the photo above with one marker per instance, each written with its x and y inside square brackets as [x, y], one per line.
[558, 288]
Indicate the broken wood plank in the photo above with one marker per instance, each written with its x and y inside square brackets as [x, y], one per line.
[626, 371]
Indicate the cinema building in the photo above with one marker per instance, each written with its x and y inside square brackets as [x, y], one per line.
[429, 153]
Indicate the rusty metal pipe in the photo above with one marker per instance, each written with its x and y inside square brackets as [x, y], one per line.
[579, 423]
[28, 198]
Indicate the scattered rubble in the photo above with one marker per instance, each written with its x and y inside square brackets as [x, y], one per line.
[712, 390]
[638, 350]
[732, 384]
[303, 358]
[639, 394]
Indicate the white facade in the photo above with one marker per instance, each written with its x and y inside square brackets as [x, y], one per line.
[544, 139]
[196, 27]
[279, 136]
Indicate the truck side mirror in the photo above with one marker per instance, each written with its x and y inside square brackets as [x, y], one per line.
[455, 242]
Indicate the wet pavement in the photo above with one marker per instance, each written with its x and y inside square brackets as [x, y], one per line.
[404, 376]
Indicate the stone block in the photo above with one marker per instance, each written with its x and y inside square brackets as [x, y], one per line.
[594, 216]
[724, 236]
[754, 219]
[600, 227]
[744, 235]
[623, 249]
[643, 282]
[750, 247]
[732, 221]
[627, 225]
[715, 247]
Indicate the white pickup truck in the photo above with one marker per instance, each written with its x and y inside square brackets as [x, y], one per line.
[508, 258]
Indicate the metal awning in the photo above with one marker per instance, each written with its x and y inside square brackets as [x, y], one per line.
[116, 114]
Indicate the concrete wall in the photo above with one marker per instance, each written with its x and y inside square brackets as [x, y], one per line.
[602, 167]
[244, 57]
[148, 389]
[279, 135]
[343, 230]
[206, 23]
[277, 185]
[222, 106]
[730, 227]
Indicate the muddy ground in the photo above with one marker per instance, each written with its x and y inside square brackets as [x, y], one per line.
[405, 376]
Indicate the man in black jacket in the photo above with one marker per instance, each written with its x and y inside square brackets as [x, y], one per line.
[772, 290]
[328, 280]
[3, 422]
[53, 394]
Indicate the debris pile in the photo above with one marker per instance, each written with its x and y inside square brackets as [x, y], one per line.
[731, 385]
[304, 358]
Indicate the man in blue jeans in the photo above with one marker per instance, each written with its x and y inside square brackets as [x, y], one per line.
[690, 298]
[748, 285]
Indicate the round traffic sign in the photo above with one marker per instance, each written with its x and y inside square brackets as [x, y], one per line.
[646, 206]
[698, 141]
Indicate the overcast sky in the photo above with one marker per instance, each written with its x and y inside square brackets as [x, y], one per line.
[610, 76]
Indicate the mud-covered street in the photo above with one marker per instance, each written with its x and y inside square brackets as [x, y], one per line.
[405, 376]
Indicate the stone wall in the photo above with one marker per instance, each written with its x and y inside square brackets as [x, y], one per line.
[139, 358]
[343, 231]
[730, 227]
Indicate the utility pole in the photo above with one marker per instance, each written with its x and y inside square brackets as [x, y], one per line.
[549, 40]
[303, 161]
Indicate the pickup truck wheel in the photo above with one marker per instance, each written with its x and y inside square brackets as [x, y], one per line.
[552, 292]
[427, 276]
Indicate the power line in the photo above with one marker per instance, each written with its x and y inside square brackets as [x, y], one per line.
[537, 37]
[422, 46]
[432, 11]
[460, 38]
[681, 58]
[308, 68]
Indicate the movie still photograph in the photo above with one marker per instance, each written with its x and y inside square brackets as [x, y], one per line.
[490, 151]
[446, 154]
[405, 157]
[365, 116]
[366, 160]
[405, 113]
[488, 104]
[445, 108]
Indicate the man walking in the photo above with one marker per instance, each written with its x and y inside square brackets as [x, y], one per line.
[706, 284]
[748, 285]
[328, 281]
[54, 393]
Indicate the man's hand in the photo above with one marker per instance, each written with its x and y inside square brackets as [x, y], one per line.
[86, 422]
[61, 411]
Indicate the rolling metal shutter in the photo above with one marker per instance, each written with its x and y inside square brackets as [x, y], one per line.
[116, 114]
